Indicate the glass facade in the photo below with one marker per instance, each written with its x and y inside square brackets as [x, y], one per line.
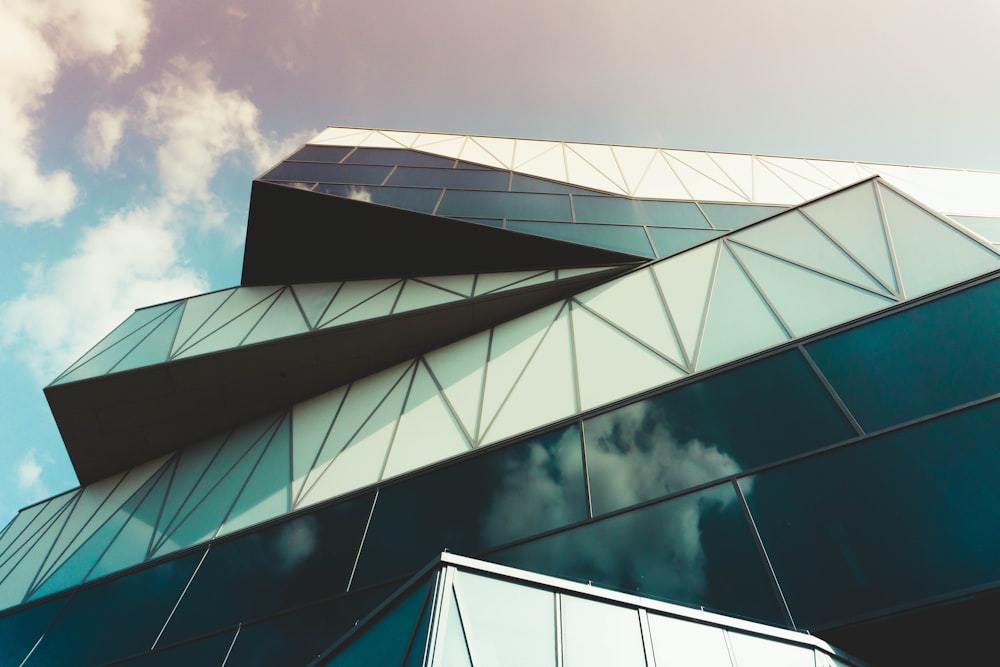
[788, 418]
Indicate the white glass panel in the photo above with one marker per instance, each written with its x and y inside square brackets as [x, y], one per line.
[418, 295]
[454, 650]
[104, 362]
[426, 139]
[15, 531]
[738, 322]
[443, 145]
[427, 430]
[633, 303]
[540, 158]
[155, 347]
[931, 253]
[266, 492]
[32, 531]
[633, 163]
[739, 169]
[473, 152]
[698, 184]
[361, 462]
[684, 279]
[315, 298]
[404, 139]
[378, 140]
[808, 170]
[459, 369]
[232, 331]
[196, 310]
[603, 160]
[505, 623]
[852, 218]
[460, 284]
[611, 365]
[238, 302]
[352, 294]
[362, 400]
[799, 176]
[545, 391]
[596, 634]
[311, 420]
[563, 274]
[283, 318]
[546, 277]
[769, 189]
[706, 168]
[512, 345]
[340, 136]
[501, 149]
[840, 173]
[687, 644]
[791, 236]
[661, 182]
[807, 302]
[491, 282]
[759, 652]
[581, 172]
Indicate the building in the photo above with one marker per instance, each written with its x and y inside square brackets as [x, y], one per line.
[662, 397]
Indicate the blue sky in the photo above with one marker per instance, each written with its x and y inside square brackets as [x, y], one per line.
[130, 130]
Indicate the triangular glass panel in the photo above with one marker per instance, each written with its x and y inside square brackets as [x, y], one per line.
[738, 322]
[684, 280]
[769, 189]
[581, 172]
[660, 181]
[197, 309]
[598, 633]
[798, 175]
[340, 136]
[546, 389]
[378, 140]
[601, 158]
[792, 237]
[633, 163]
[500, 148]
[473, 152]
[540, 158]
[563, 274]
[738, 169]
[19, 565]
[417, 294]
[737, 216]
[311, 422]
[611, 365]
[459, 369]
[404, 139]
[461, 284]
[314, 298]
[492, 282]
[697, 183]
[669, 240]
[841, 174]
[266, 493]
[930, 252]
[155, 347]
[427, 431]
[453, 646]
[677, 642]
[633, 304]
[283, 318]
[526, 150]
[230, 324]
[351, 295]
[853, 220]
[806, 301]
[447, 146]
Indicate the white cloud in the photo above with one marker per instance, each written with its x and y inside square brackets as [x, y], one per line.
[37, 39]
[29, 474]
[104, 131]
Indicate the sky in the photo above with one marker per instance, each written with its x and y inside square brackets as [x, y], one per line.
[130, 131]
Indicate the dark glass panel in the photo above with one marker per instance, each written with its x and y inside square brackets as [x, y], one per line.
[492, 222]
[19, 631]
[898, 519]
[451, 178]
[115, 618]
[631, 240]
[208, 652]
[916, 362]
[696, 550]
[328, 173]
[297, 638]
[422, 200]
[479, 204]
[670, 240]
[272, 569]
[623, 211]
[385, 640]
[522, 183]
[734, 216]
[473, 505]
[397, 156]
[746, 417]
[321, 153]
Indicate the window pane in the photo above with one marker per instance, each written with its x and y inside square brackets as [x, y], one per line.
[19, 631]
[208, 652]
[734, 216]
[321, 153]
[329, 173]
[522, 183]
[740, 419]
[886, 523]
[916, 362]
[397, 156]
[471, 179]
[624, 211]
[476, 204]
[421, 200]
[475, 504]
[624, 239]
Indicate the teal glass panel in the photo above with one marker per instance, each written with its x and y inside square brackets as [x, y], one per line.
[624, 211]
[132, 609]
[750, 416]
[398, 156]
[421, 200]
[468, 179]
[492, 222]
[522, 183]
[21, 629]
[916, 362]
[210, 652]
[155, 347]
[273, 569]
[385, 639]
[320, 154]
[734, 216]
[475, 504]
[695, 550]
[631, 240]
[669, 241]
[988, 228]
[480, 204]
[309, 172]
[898, 519]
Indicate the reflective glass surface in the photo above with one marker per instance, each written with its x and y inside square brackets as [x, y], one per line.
[696, 550]
[505, 205]
[209, 652]
[632, 240]
[330, 173]
[472, 179]
[132, 609]
[734, 216]
[276, 568]
[19, 631]
[668, 240]
[422, 200]
[397, 156]
[473, 505]
[522, 183]
[918, 361]
[321, 153]
[746, 417]
[624, 211]
[891, 521]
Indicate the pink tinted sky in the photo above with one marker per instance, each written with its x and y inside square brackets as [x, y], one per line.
[130, 130]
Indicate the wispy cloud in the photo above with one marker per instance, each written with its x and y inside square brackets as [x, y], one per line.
[29, 475]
